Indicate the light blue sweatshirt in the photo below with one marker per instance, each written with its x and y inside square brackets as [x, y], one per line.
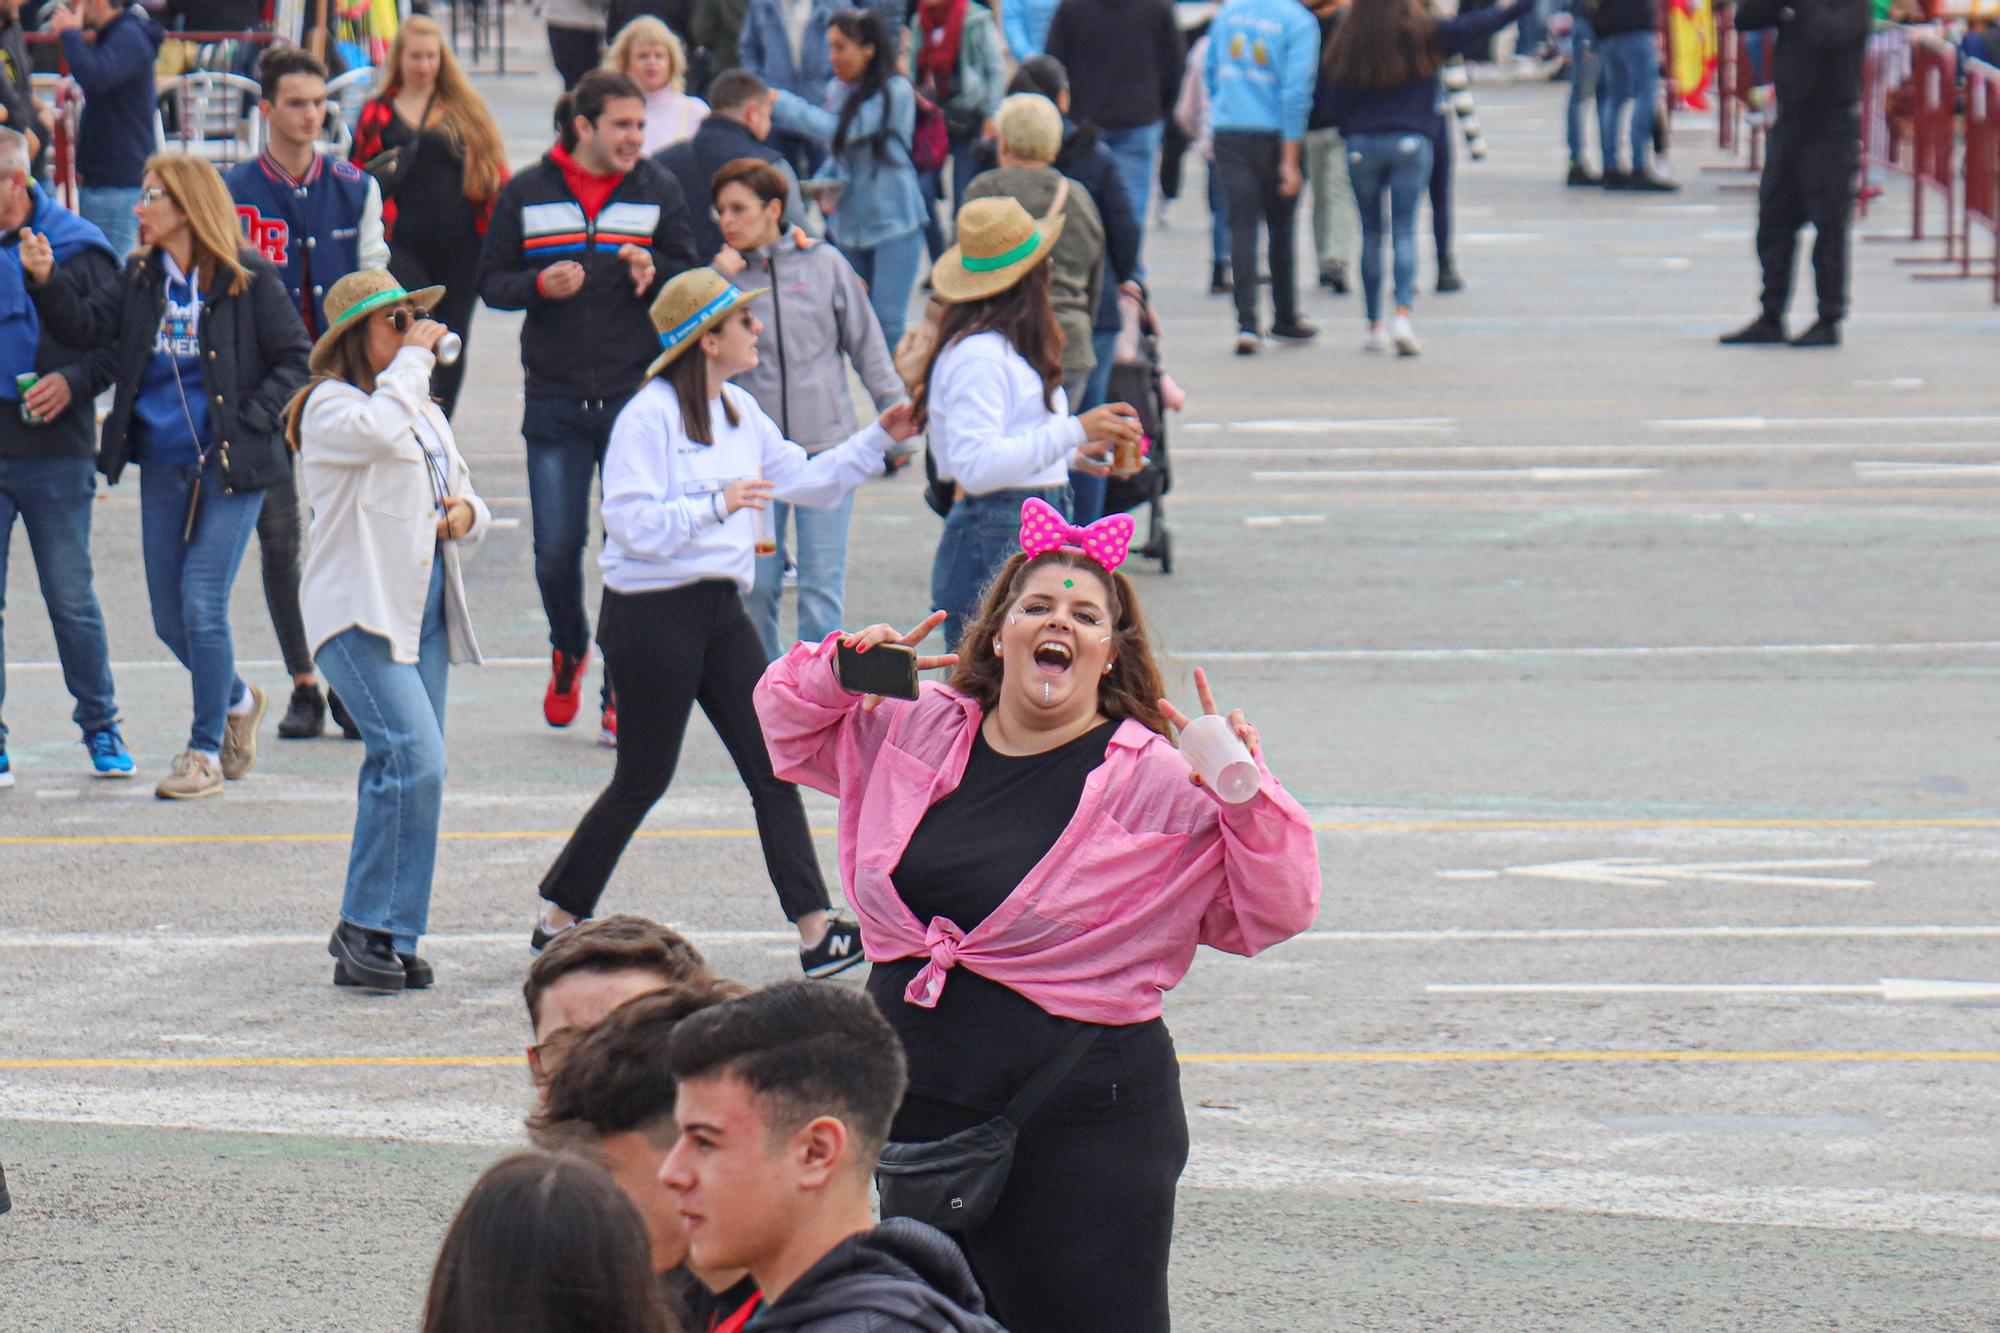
[1263, 59]
[1026, 23]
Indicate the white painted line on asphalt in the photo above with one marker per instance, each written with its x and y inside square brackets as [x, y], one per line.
[1502, 237]
[1811, 423]
[1330, 425]
[1669, 263]
[1462, 474]
[505, 523]
[1888, 988]
[1697, 449]
[1899, 382]
[1642, 872]
[1882, 471]
[1688, 209]
[1281, 520]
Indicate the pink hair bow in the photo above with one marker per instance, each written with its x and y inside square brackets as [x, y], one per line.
[1107, 541]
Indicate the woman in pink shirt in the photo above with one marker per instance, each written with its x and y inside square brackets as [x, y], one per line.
[1030, 859]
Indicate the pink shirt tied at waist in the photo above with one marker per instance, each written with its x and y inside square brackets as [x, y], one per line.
[1107, 922]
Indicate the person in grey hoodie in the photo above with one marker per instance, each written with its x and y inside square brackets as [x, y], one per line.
[817, 311]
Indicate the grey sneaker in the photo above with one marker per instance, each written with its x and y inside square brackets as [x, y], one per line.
[194, 775]
[239, 736]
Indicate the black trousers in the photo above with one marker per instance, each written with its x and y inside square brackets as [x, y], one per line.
[1084, 1230]
[669, 651]
[576, 52]
[1809, 172]
[1442, 131]
[1249, 167]
[280, 537]
[453, 262]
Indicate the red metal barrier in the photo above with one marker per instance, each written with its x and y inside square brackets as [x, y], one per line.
[1934, 127]
[1982, 162]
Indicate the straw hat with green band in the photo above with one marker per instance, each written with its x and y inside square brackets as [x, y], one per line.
[690, 305]
[356, 297]
[998, 243]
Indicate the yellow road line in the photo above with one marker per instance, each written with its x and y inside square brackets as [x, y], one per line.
[1229, 1057]
[1333, 826]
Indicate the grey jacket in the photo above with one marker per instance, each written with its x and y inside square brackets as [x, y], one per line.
[1076, 268]
[816, 309]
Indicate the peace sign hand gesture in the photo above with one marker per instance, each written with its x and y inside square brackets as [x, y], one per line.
[862, 640]
[1237, 722]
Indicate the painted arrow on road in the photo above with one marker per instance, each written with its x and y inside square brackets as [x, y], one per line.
[1889, 988]
[1646, 872]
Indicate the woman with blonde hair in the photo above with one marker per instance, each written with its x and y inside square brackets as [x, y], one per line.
[433, 145]
[202, 341]
[647, 52]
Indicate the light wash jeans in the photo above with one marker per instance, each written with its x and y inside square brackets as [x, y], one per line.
[980, 532]
[1336, 219]
[400, 710]
[189, 582]
[1585, 85]
[891, 270]
[822, 561]
[52, 498]
[110, 207]
[1136, 150]
[1398, 166]
[1631, 63]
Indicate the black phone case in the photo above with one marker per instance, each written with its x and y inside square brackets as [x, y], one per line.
[887, 669]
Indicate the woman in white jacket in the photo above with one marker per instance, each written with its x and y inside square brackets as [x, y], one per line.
[692, 466]
[384, 600]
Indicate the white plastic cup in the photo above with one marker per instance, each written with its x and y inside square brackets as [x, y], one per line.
[1219, 755]
[449, 348]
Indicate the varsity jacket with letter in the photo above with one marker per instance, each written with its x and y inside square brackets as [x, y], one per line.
[316, 230]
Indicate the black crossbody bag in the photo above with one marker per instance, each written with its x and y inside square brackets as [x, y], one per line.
[953, 1183]
[391, 167]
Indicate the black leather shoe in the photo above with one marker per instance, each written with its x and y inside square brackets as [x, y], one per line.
[1448, 276]
[368, 956]
[306, 717]
[341, 717]
[417, 974]
[1761, 331]
[1219, 280]
[1823, 333]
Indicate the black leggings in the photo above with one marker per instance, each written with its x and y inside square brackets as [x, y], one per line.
[1442, 130]
[279, 538]
[452, 262]
[668, 651]
[576, 52]
[1083, 1231]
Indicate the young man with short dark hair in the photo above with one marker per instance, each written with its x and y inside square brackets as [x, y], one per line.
[591, 968]
[737, 125]
[784, 1102]
[613, 1099]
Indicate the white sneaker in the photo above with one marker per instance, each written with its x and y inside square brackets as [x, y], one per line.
[1404, 336]
[1377, 340]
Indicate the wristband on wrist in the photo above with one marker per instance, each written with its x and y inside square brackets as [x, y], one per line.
[715, 507]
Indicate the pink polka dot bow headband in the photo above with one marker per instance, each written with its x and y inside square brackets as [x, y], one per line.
[1107, 541]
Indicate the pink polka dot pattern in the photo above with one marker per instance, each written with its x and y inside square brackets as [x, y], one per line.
[1043, 529]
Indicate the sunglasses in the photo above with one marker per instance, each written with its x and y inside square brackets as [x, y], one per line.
[402, 317]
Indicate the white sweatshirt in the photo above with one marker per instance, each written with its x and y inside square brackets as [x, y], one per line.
[666, 523]
[988, 428]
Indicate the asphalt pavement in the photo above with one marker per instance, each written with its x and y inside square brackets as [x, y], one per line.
[1641, 690]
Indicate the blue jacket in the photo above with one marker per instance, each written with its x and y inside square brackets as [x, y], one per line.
[1263, 59]
[116, 75]
[311, 229]
[25, 345]
[1026, 23]
[882, 200]
[1412, 107]
[767, 54]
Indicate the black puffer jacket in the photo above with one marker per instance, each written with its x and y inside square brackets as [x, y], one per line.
[901, 1277]
[253, 350]
[1821, 48]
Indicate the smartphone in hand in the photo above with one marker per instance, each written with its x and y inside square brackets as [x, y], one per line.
[887, 669]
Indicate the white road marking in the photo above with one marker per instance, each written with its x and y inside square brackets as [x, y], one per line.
[1879, 471]
[1462, 474]
[1637, 872]
[1670, 263]
[1331, 425]
[1898, 382]
[1502, 237]
[1280, 520]
[1810, 423]
[1888, 988]
[505, 523]
[1642, 448]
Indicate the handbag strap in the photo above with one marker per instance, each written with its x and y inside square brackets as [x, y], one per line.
[1037, 1089]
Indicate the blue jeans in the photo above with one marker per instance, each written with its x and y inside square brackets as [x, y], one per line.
[980, 532]
[189, 583]
[1583, 85]
[1398, 165]
[400, 710]
[1631, 62]
[1087, 491]
[52, 497]
[566, 438]
[1218, 218]
[822, 559]
[890, 270]
[110, 207]
[1136, 149]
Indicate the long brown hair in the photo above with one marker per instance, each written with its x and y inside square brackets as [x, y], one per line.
[460, 111]
[351, 365]
[1024, 315]
[1383, 44]
[688, 374]
[1131, 688]
[198, 192]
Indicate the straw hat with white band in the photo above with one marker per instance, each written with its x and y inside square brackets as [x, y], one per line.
[690, 305]
[357, 296]
[998, 244]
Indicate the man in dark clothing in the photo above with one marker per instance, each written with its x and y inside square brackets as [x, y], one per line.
[116, 135]
[1628, 51]
[24, 111]
[737, 125]
[582, 241]
[1125, 59]
[785, 1099]
[1811, 158]
[48, 448]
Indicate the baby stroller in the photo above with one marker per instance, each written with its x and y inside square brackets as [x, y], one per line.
[1138, 378]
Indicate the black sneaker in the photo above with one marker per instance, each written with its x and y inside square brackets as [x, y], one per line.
[1219, 281]
[368, 956]
[1448, 276]
[1615, 180]
[1765, 329]
[417, 974]
[837, 950]
[1294, 331]
[1646, 181]
[306, 716]
[541, 936]
[1823, 333]
[1579, 174]
[341, 717]
[1334, 278]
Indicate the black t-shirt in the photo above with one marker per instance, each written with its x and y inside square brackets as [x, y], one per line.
[698, 1309]
[984, 1040]
[431, 202]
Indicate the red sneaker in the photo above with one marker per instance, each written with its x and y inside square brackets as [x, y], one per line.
[565, 692]
[607, 726]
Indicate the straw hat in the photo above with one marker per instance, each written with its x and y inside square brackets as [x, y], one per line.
[998, 243]
[357, 296]
[1030, 127]
[689, 306]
